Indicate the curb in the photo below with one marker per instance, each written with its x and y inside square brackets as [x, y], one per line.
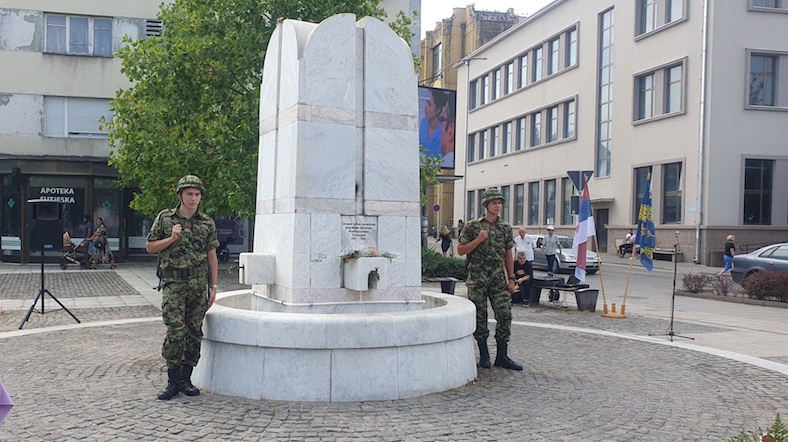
[737, 299]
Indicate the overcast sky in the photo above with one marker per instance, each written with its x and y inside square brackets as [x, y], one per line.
[436, 10]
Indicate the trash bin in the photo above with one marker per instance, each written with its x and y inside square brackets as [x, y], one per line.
[447, 285]
[586, 299]
[716, 259]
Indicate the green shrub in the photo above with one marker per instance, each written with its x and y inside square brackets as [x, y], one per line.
[765, 285]
[435, 265]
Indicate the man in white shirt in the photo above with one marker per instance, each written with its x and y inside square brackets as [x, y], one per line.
[524, 243]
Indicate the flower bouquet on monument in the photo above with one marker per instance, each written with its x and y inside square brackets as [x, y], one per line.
[367, 253]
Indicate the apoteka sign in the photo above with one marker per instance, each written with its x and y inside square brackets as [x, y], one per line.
[58, 194]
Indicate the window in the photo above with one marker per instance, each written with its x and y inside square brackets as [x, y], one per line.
[536, 129]
[569, 120]
[671, 193]
[555, 56]
[549, 202]
[479, 197]
[494, 139]
[566, 198]
[762, 80]
[758, 175]
[675, 81]
[75, 117]
[641, 178]
[471, 206]
[552, 124]
[523, 78]
[507, 137]
[78, 35]
[533, 203]
[772, 4]
[471, 147]
[521, 133]
[646, 93]
[509, 78]
[506, 201]
[485, 89]
[605, 114]
[519, 195]
[655, 14]
[537, 64]
[482, 144]
[571, 52]
[660, 92]
[436, 61]
[473, 94]
[496, 83]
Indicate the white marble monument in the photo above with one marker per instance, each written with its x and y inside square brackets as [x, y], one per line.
[337, 172]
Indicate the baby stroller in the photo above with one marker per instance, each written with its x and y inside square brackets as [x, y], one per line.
[101, 254]
[75, 254]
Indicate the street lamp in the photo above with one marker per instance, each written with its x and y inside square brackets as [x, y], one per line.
[467, 133]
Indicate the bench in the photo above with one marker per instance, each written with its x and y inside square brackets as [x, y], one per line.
[668, 254]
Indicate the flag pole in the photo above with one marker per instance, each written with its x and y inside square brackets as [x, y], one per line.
[601, 281]
[629, 274]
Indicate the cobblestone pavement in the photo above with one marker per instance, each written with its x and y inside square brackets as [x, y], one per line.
[100, 383]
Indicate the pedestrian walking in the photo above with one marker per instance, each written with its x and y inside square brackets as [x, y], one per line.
[488, 243]
[730, 252]
[550, 246]
[185, 239]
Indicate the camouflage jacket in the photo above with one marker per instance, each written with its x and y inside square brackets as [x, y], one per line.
[488, 257]
[191, 249]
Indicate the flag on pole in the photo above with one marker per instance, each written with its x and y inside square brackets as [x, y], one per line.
[646, 238]
[585, 229]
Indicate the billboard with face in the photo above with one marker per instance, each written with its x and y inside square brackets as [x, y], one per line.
[437, 117]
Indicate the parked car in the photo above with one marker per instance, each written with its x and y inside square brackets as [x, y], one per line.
[566, 260]
[773, 258]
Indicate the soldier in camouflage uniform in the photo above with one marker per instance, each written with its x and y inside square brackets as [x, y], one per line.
[488, 243]
[185, 239]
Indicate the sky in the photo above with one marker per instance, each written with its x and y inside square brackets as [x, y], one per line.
[436, 10]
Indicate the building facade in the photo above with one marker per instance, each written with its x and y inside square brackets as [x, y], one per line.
[692, 92]
[58, 78]
[442, 48]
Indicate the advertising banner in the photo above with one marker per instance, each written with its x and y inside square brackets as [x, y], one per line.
[437, 117]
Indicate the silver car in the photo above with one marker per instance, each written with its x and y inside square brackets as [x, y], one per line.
[772, 258]
[566, 260]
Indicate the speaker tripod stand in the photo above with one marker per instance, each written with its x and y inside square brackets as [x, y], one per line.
[41, 295]
[670, 334]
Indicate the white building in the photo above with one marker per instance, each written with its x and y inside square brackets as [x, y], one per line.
[694, 91]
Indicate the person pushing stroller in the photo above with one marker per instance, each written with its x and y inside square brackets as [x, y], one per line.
[101, 251]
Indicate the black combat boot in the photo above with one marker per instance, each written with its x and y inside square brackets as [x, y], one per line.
[173, 377]
[502, 358]
[185, 383]
[484, 354]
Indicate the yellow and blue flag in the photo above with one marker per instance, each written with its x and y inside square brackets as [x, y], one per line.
[646, 238]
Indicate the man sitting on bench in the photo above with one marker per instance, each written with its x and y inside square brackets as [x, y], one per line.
[628, 246]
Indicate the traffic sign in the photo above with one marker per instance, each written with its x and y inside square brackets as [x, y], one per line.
[579, 178]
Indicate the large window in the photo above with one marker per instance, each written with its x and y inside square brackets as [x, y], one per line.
[473, 94]
[770, 4]
[538, 61]
[654, 14]
[566, 201]
[494, 140]
[555, 56]
[519, 201]
[571, 52]
[482, 144]
[507, 136]
[660, 92]
[436, 61]
[509, 78]
[523, 77]
[605, 137]
[75, 117]
[552, 124]
[536, 129]
[78, 35]
[569, 120]
[479, 197]
[496, 83]
[533, 203]
[762, 70]
[485, 89]
[505, 191]
[758, 175]
[472, 147]
[471, 206]
[549, 202]
[671, 193]
[521, 133]
[641, 179]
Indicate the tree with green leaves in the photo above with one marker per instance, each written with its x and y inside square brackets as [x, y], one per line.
[194, 104]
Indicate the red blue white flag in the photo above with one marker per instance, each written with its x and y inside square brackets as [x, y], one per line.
[585, 229]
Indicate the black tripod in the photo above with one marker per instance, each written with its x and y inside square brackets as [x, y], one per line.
[670, 334]
[41, 294]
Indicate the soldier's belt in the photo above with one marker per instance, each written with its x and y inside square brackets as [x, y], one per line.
[182, 273]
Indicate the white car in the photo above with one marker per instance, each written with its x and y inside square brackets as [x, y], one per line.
[566, 260]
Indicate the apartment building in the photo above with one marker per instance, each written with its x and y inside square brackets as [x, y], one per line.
[442, 48]
[58, 77]
[694, 92]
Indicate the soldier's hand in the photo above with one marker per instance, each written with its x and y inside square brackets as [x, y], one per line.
[484, 234]
[177, 230]
[511, 286]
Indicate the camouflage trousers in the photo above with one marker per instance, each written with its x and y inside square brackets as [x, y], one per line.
[183, 307]
[497, 292]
